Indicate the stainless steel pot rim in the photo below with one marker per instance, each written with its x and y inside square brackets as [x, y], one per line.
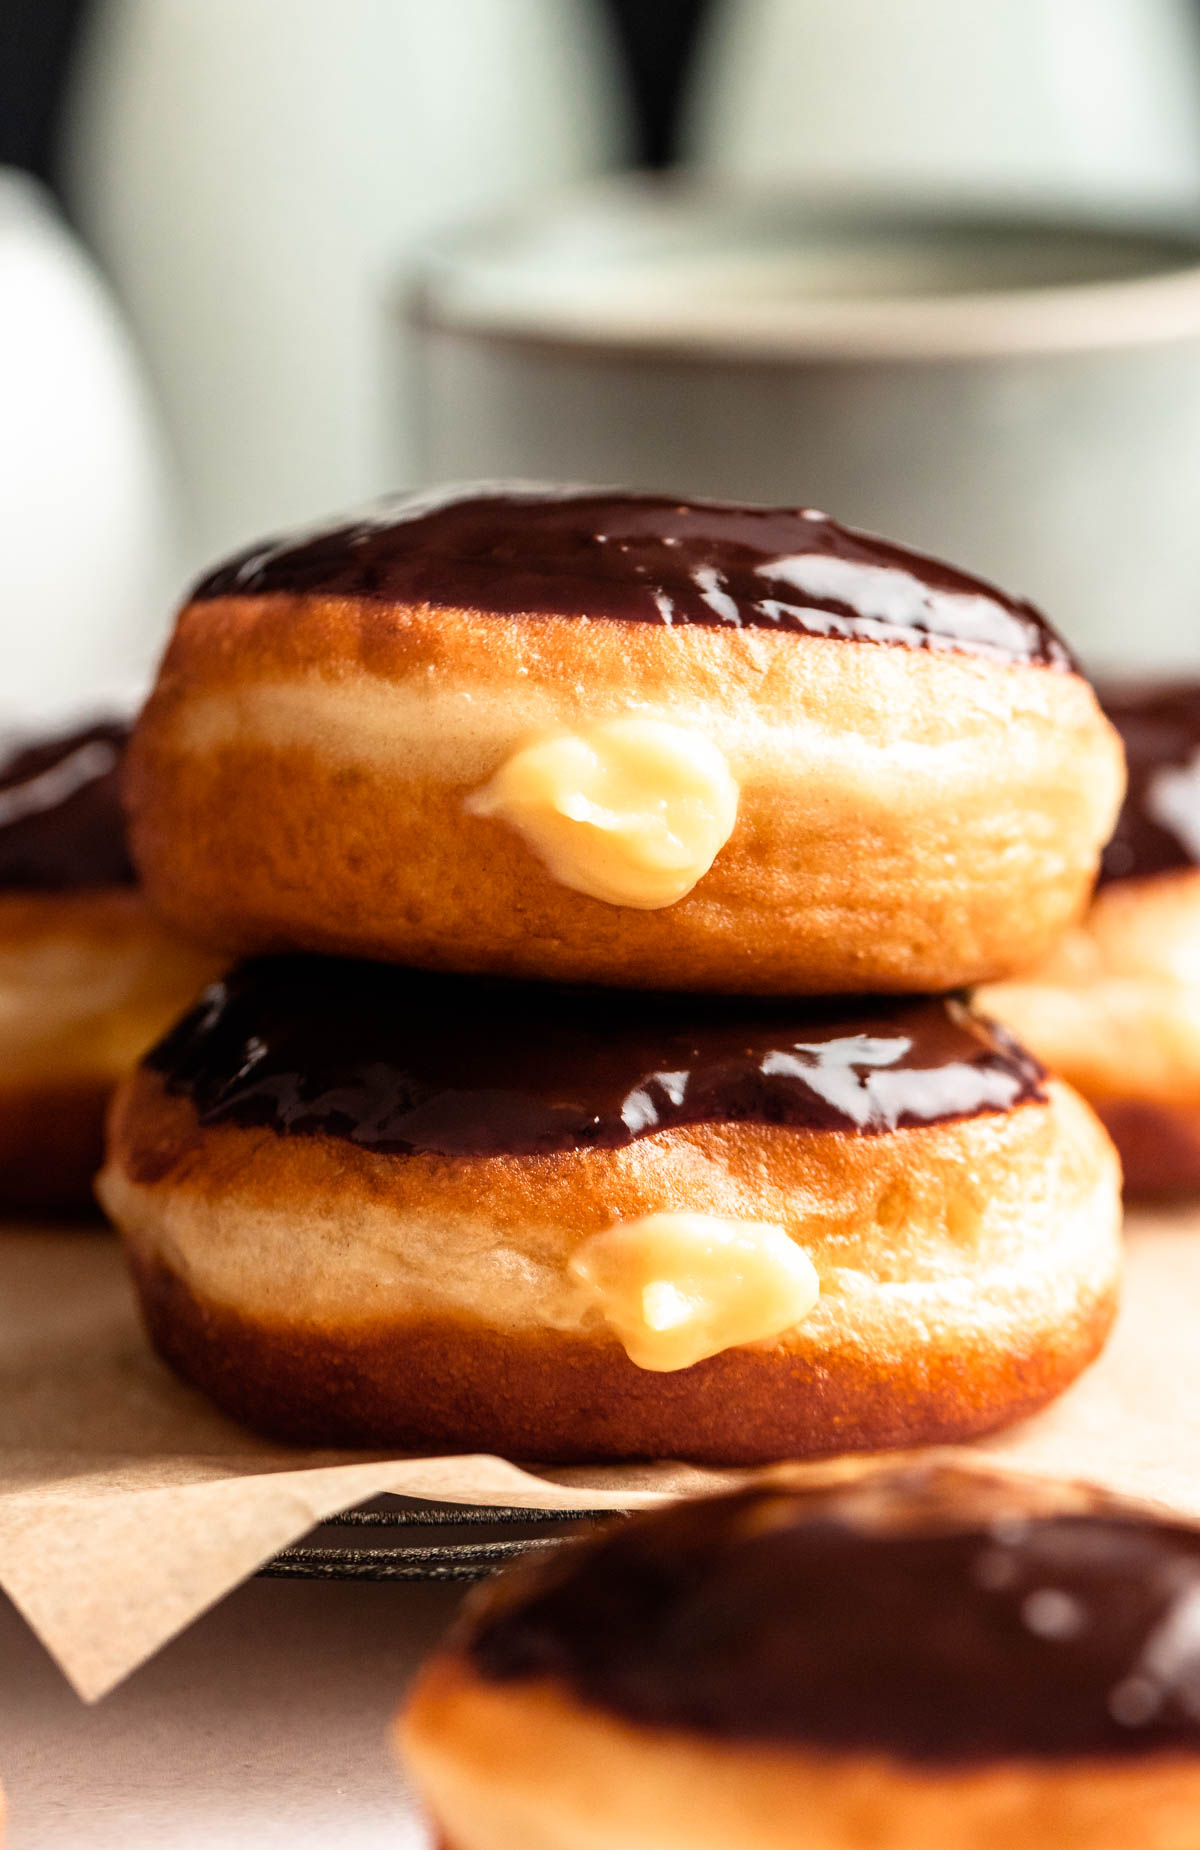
[614, 270]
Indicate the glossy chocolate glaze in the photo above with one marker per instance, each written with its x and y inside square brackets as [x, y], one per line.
[60, 812]
[638, 558]
[753, 1617]
[402, 1061]
[1159, 826]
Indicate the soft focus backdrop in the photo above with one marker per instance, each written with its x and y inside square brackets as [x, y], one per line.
[208, 327]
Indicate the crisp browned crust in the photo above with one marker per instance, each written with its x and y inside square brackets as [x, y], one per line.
[1116, 1010]
[88, 978]
[909, 820]
[504, 1765]
[329, 1294]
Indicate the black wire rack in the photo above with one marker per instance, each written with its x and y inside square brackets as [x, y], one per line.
[437, 1541]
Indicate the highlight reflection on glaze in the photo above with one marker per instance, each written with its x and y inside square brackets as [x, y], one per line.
[402, 1061]
[753, 1617]
[1158, 829]
[60, 812]
[639, 558]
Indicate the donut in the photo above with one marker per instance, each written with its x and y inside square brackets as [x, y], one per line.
[371, 1206]
[585, 736]
[927, 1657]
[88, 978]
[1116, 1007]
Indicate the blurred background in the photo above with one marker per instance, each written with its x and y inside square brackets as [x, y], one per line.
[935, 267]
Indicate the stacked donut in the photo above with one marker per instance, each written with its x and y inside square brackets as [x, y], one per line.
[594, 1084]
[88, 978]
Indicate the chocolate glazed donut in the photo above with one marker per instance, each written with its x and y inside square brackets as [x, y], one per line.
[372, 1206]
[925, 1656]
[580, 735]
[87, 979]
[1116, 1007]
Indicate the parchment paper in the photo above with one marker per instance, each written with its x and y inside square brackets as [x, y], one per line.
[127, 1506]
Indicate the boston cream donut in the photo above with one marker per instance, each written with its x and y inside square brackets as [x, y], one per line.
[930, 1659]
[588, 736]
[87, 978]
[371, 1206]
[1116, 1008]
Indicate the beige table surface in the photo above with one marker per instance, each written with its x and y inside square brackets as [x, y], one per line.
[263, 1725]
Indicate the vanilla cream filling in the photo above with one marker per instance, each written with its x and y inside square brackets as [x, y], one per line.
[633, 811]
[676, 1288]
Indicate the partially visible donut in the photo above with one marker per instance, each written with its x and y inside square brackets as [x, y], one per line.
[88, 978]
[1116, 1007]
[375, 1207]
[928, 1657]
[578, 735]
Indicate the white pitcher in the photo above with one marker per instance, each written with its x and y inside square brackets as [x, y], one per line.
[1068, 102]
[86, 551]
[253, 171]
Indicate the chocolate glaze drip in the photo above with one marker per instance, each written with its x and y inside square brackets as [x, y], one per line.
[60, 812]
[1159, 826]
[638, 558]
[751, 1617]
[401, 1061]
